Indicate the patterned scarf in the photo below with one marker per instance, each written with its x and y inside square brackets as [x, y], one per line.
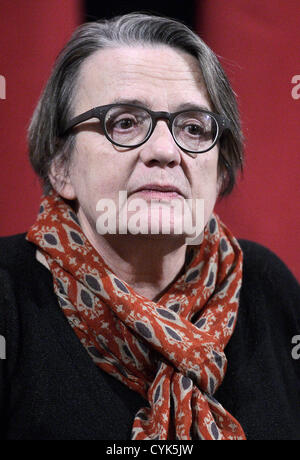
[171, 352]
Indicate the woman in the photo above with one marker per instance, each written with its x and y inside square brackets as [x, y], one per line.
[129, 332]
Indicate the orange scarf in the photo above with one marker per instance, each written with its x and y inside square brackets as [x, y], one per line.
[171, 352]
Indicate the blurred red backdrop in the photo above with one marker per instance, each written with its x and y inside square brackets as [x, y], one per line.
[31, 35]
[258, 43]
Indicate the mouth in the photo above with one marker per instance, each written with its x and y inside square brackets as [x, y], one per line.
[156, 191]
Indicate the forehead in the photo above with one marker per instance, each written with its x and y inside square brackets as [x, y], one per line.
[159, 76]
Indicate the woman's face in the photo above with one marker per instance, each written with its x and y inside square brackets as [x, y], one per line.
[159, 78]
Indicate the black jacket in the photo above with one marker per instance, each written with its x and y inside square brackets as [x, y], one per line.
[51, 389]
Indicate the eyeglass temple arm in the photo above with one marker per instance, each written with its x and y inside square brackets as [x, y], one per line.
[83, 117]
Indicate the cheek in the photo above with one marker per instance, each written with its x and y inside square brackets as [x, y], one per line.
[96, 171]
[205, 181]
[205, 175]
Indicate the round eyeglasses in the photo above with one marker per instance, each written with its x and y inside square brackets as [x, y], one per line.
[129, 126]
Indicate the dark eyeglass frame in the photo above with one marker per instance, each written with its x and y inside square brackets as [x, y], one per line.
[100, 112]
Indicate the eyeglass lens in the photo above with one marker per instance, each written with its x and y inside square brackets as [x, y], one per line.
[129, 126]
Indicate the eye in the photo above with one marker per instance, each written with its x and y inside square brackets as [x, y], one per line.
[194, 129]
[124, 123]
[127, 125]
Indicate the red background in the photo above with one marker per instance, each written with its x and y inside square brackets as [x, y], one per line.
[32, 32]
[259, 45]
[258, 42]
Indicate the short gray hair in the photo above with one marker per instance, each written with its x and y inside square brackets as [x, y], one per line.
[55, 105]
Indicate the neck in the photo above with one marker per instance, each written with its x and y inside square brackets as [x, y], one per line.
[149, 264]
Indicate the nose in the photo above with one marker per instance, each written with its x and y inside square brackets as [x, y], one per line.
[160, 148]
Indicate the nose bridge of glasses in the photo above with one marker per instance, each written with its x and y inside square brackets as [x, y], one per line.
[156, 116]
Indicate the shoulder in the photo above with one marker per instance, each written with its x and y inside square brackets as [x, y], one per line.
[17, 257]
[262, 263]
[18, 268]
[20, 272]
[25, 284]
[14, 246]
[16, 253]
[269, 288]
[256, 254]
[263, 375]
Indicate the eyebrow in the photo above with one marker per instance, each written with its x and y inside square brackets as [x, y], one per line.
[192, 106]
[142, 102]
[145, 103]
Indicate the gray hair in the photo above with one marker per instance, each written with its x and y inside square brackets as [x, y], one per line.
[55, 105]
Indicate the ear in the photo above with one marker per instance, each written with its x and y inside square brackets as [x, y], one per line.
[223, 173]
[61, 181]
[220, 183]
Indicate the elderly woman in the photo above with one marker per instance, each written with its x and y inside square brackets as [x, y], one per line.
[128, 333]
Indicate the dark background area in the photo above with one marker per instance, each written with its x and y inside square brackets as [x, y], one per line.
[183, 11]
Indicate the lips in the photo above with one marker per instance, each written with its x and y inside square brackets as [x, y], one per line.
[159, 190]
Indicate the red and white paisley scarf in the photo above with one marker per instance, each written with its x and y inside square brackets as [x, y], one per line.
[171, 352]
